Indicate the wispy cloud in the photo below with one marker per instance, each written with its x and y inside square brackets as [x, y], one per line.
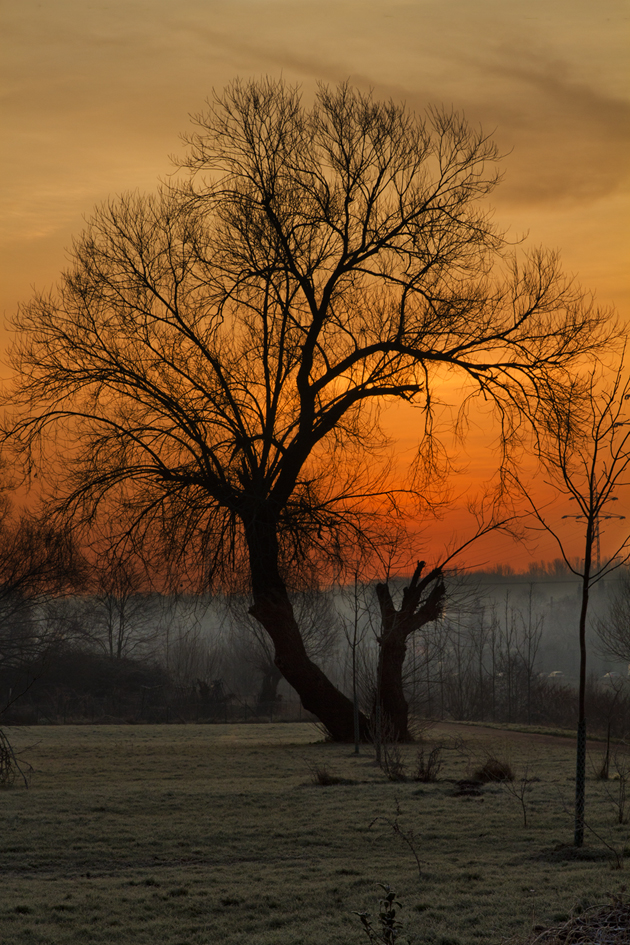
[570, 140]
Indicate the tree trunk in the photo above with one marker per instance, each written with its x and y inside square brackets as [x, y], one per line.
[394, 707]
[271, 676]
[272, 608]
[397, 625]
[580, 760]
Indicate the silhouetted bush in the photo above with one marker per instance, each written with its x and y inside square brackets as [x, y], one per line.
[494, 770]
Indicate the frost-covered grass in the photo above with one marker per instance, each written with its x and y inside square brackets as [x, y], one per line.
[183, 835]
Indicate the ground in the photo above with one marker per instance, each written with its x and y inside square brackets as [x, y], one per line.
[203, 834]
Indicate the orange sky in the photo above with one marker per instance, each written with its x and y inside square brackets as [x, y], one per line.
[96, 94]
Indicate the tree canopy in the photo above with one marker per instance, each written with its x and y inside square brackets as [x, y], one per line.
[216, 357]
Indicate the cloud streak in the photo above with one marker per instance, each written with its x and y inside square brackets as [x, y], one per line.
[94, 97]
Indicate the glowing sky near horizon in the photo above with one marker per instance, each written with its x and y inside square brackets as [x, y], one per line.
[95, 95]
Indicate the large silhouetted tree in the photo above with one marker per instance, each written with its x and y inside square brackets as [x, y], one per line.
[217, 355]
[316, 618]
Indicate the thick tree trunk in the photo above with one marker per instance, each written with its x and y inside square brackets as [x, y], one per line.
[272, 608]
[420, 605]
[393, 702]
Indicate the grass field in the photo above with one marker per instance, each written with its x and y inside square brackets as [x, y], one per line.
[183, 835]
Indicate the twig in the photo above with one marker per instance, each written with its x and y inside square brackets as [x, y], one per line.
[407, 836]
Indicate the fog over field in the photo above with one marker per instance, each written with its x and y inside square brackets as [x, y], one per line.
[505, 649]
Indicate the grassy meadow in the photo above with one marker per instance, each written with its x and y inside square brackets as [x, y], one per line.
[203, 834]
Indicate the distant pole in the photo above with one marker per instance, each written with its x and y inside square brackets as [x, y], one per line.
[596, 529]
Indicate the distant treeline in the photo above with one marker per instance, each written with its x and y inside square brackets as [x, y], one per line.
[77, 686]
[146, 658]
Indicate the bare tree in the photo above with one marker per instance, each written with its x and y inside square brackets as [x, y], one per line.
[351, 616]
[217, 356]
[527, 646]
[122, 615]
[586, 451]
[38, 563]
[39, 566]
[614, 630]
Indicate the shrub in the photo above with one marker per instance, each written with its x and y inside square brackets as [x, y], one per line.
[323, 777]
[494, 770]
[427, 770]
[393, 762]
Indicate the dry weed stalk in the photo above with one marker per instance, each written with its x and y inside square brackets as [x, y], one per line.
[518, 790]
[408, 837]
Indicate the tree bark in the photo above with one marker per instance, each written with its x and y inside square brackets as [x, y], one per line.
[397, 625]
[272, 608]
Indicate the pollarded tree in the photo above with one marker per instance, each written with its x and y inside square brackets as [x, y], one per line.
[217, 356]
[422, 603]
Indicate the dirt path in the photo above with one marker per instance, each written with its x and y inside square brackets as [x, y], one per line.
[486, 731]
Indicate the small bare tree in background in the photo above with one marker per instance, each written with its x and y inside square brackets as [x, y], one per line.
[614, 630]
[39, 564]
[123, 617]
[584, 447]
[351, 616]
